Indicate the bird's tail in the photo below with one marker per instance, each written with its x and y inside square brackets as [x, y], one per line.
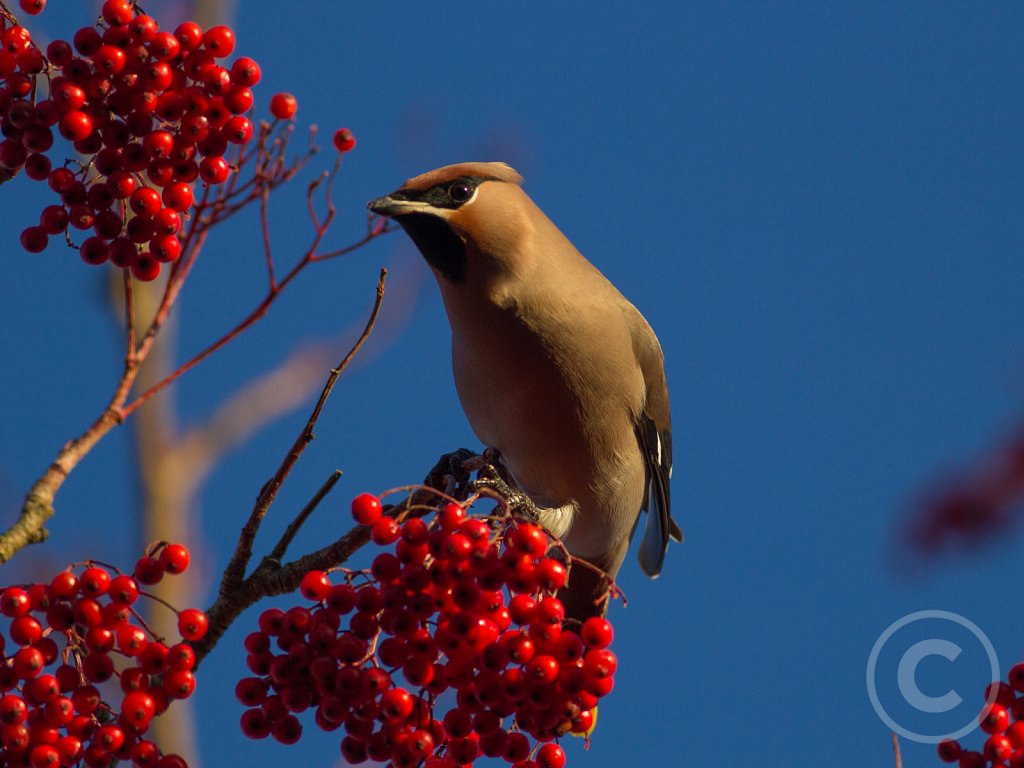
[587, 593]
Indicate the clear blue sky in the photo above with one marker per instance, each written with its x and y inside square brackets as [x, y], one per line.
[817, 207]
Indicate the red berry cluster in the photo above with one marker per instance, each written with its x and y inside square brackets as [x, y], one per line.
[1003, 720]
[150, 112]
[459, 604]
[74, 634]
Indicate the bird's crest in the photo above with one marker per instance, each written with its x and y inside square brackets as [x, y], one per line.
[496, 171]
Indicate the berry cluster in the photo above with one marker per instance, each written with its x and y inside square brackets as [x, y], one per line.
[1003, 720]
[148, 111]
[74, 634]
[461, 604]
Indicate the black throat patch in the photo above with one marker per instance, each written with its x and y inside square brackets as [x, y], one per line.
[440, 246]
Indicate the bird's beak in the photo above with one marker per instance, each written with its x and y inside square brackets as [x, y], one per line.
[394, 205]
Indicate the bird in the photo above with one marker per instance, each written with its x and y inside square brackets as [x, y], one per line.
[555, 369]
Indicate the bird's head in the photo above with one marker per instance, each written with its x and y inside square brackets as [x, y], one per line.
[458, 211]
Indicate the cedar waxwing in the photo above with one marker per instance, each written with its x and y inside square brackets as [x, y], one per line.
[555, 369]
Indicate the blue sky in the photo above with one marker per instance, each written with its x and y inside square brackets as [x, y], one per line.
[816, 206]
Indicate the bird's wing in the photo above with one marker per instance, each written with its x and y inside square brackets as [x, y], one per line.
[654, 434]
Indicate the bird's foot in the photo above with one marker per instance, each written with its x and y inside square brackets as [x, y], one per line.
[451, 473]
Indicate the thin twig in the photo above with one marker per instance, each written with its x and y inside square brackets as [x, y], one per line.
[271, 578]
[129, 316]
[309, 258]
[371, 235]
[234, 574]
[293, 527]
[265, 226]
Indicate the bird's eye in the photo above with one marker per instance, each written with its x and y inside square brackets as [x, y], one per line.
[460, 191]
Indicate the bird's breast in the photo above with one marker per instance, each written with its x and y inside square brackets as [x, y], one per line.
[553, 399]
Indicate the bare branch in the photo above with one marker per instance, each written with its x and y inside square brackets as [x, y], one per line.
[293, 527]
[234, 574]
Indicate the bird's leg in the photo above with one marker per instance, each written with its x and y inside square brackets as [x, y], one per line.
[494, 477]
[492, 484]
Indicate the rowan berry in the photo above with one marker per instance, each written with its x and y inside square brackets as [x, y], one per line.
[34, 239]
[32, 7]
[117, 12]
[190, 35]
[366, 509]
[219, 40]
[145, 267]
[178, 196]
[995, 719]
[238, 129]
[192, 624]
[344, 141]
[175, 558]
[315, 585]
[214, 170]
[283, 106]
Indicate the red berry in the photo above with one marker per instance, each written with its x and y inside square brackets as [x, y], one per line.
[996, 719]
[366, 509]
[37, 167]
[75, 126]
[238, 129]
[179, 683]
[123, 589]
[32, 7]
[551, 756]
[164, 46]
[214, 170]
[219, 40]
[344, 141]
[138, 707]
[315, 585]
[117, 12]
[143, 28]
[121, 184]
[192, 624]
[34, 239]
[385, 531]
[148, 570]
[178, 196]
[64, 586]
[245, 71]
[175, 558]
[998, 748]
[190, 35]
[87, 41]
[396, 703]
[145, 201]
[597, 632]
[145, 267]
[25, 630]
[287, 730]
[109, 60]
[94, 581]
[283, 106]
[53, 219]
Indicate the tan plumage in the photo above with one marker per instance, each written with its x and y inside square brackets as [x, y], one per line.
[553, 366]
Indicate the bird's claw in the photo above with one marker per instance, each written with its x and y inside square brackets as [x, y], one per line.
[451, 473]
[518, 503]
